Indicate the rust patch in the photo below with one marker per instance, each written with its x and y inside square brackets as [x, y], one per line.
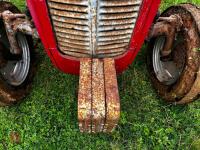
[112, 95]
[194, 92]
[167, 26]
[98, 96]
[8, 18]
[16, 23]
[85, 95]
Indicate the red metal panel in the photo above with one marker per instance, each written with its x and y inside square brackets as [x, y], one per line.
[40, 15]
[39, 11]
[144, 22]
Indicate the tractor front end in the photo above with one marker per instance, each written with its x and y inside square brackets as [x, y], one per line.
[76, 29]
[98, 39]
[95, 39]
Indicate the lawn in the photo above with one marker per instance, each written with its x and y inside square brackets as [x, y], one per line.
[46, 119]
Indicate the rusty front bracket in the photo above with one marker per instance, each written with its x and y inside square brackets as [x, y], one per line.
[168, 27]
[98, 98]
[17, 23]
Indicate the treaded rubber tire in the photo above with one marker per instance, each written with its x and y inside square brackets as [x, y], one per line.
[176, 92]
[9, 94]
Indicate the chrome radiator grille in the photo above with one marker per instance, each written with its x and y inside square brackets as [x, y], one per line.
[93, 28]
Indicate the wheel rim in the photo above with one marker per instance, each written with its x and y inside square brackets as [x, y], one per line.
[16, 71]
[166, 71]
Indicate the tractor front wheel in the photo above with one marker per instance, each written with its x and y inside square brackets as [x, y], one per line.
[174, 54]
[16, 70]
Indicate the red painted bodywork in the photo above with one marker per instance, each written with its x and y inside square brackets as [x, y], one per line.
[39, 12]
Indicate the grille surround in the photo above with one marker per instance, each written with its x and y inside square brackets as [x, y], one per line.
[93, 28]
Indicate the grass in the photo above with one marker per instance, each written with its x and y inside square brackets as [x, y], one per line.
[46, 119]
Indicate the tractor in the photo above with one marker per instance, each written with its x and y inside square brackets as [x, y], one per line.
[97, 40]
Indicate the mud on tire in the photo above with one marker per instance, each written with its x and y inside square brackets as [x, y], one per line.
[185, 53]
[9, 93]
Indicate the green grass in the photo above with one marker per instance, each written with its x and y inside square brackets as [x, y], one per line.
[46, 119]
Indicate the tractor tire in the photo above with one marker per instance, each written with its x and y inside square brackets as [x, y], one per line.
[16, 72]
[177, 78]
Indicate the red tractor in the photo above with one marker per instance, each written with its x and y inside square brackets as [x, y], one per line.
[98, 39]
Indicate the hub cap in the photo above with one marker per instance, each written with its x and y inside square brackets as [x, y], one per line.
[15, 72]
[167, 71]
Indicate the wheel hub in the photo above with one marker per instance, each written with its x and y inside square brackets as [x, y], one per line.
[16, 71]
[167, 70]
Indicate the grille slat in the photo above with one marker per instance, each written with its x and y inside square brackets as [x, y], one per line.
[70, 20]
[115, 3]
[78, 42]
[72, 32]
[73, 8]
[93, 28]
[117, 22]
[73, 37]
[116, 27]
[71, 49]
[69, 14]
[71, 26]
[75, 46]
[110, 51]
[115, 32]
[119, 16]
[113, 46]
[71, 2]
[115, 10]
[114, 38]
[113, 42]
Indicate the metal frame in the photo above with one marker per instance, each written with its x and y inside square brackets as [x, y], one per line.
[67, 64]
